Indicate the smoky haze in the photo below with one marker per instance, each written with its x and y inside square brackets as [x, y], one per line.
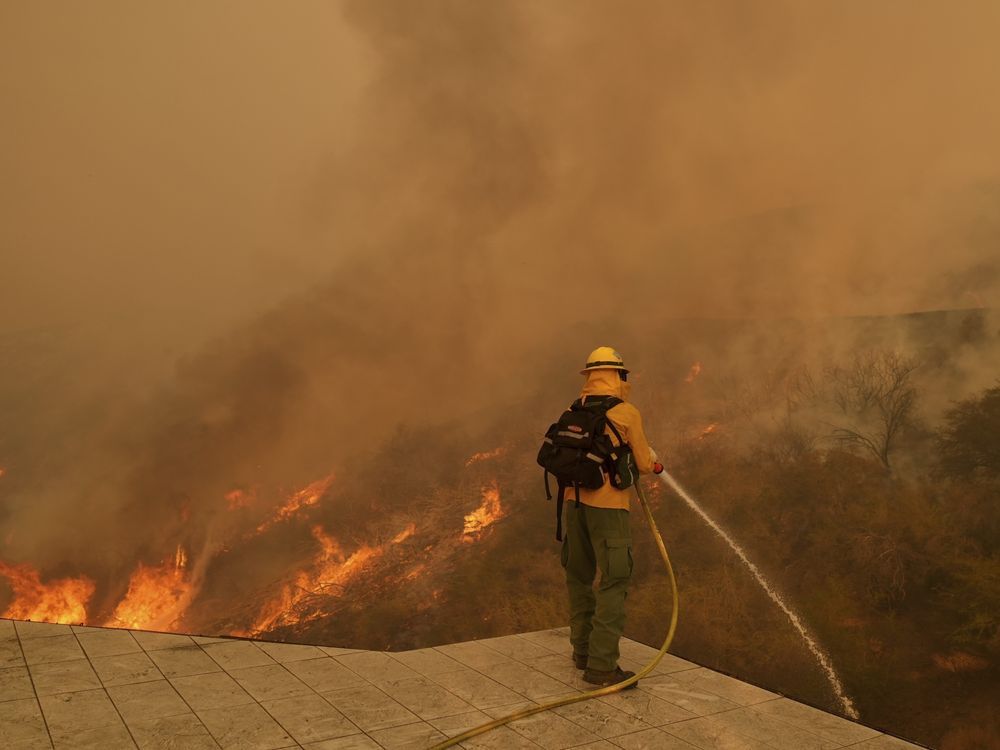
[191, 166]
[799, 159]
[284, 230]
[155, 160]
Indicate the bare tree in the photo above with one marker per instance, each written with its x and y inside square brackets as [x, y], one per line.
[875, 391]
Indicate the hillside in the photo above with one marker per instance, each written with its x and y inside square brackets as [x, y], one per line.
[431, 527]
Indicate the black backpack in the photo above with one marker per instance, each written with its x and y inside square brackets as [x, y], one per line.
[578, 453]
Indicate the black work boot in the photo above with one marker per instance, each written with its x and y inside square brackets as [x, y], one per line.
[580, 660]
[611, 677]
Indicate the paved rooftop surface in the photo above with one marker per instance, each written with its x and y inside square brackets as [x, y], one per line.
[79, 687]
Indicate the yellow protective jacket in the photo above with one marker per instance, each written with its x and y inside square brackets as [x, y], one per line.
[627, 420]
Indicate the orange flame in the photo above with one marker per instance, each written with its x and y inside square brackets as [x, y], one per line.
[405, 534]
[487, 514]
[415, 572]
[693, 372]
[157, 597]
[708, 430]
[328, 574]
[304, 498]
[238, 499]
[485, 455]
[63, 600]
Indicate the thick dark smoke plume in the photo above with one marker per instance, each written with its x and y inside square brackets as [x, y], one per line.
[242, 243]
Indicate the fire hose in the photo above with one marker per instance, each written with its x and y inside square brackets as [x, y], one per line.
[604, 690]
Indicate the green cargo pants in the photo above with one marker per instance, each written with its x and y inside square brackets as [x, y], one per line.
[597, 538]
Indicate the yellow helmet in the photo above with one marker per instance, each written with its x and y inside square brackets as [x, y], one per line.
[604, 358]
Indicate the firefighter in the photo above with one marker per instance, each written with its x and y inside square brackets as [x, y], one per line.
[598, 536]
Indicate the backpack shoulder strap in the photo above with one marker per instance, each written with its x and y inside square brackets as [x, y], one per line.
[611, 404]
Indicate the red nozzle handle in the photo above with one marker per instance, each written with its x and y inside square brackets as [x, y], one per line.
[657, 468]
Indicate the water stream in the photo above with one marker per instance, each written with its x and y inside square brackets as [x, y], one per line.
[810, 641]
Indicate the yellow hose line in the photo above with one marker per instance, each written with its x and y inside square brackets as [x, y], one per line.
[601, 691]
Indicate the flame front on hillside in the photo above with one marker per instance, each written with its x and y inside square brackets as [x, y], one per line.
[157, 597]
[238, 499]
[485, 455]
[304, 498]
[487, 514]
[328, 574]
[63, 600]
[415, 572]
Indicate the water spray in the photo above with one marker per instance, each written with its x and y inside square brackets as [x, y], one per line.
[810, 641]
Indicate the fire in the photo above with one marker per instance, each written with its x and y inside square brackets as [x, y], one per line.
[63, 600]
[488, 513]
[328, 574]
[2, 472]
[405, 534]
[485, 455]
[304, 498]
[693, 372]
[238, 499]
[157, 596]
[708, 430]
[415, 572]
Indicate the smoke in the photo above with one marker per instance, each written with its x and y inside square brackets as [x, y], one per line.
[155, 159]
[243, 244]
[805, 160]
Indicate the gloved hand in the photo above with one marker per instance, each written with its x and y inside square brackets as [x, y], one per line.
[657, 466]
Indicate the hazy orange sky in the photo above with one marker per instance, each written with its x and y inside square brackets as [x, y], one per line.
[181, 167]
[156, 158]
